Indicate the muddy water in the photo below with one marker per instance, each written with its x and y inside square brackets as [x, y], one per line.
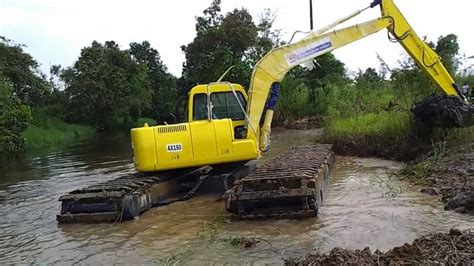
[365, 207]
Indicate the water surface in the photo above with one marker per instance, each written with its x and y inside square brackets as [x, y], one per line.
[365, 206]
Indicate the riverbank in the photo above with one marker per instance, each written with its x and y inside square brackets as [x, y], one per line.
[387, 134]
[453, 248]
[52, 132]
[46, 132]
[449, 173]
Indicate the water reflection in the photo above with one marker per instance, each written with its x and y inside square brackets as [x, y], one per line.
[363, 208]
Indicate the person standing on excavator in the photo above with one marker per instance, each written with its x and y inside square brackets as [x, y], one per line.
[468, 92]
[465, 90]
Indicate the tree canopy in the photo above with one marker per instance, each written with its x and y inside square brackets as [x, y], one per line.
[14, 118]
[109, 86]
[105, 87]
[162, 84]
[227, 40]
[22, 71]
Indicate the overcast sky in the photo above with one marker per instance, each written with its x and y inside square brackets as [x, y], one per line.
[56, 30]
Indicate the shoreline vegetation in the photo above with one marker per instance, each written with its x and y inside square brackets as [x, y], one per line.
[48, 133]
[443, 164]
[364, 113]
[53, 133]
[112, 85]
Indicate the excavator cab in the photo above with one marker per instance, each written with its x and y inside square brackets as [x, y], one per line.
[219, 101]
[213, 134]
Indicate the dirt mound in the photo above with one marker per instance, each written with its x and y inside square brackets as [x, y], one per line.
[391, 148]
[453, 248]
[443, 111]
[454, 176]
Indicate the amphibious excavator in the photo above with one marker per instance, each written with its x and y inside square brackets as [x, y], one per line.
[225, 130]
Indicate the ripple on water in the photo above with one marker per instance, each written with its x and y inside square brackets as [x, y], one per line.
[364, 207]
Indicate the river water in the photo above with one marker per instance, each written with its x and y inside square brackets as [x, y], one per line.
[366, 206]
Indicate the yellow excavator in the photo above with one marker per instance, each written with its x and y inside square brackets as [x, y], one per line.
[224, 131]
[224, 125]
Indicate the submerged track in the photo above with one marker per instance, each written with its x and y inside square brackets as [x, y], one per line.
[290, 185]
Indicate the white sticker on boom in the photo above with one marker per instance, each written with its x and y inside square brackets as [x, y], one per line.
[309, 52]
[174, 147]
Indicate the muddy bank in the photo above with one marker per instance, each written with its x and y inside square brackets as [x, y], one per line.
[453, 248]
[379, 146]
[448, 172]
[302, 123]
[451, 175]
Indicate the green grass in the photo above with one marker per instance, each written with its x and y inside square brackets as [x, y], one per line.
[51, 132]
[461, 135]
[383, 134]
[47, 132]
[393, 124]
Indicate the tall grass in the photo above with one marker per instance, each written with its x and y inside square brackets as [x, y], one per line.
[392, 124]
[368, 119]
[461, 135]
[47, 131]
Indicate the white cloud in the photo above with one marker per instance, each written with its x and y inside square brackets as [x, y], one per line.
[56, 30]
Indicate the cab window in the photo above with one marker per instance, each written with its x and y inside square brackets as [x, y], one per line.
[225, 105]
[200, 107]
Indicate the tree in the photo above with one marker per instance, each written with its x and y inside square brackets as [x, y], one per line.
[369, 79]
[211, 18]
[21, 70]
[220, 46]
[409, 82]
[14, 118]
[328, 69]
[370, 75]
[448, 48]
[162, 83]
[224, 41]
[105, 87]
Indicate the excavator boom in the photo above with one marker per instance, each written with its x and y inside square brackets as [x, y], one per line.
[287, 186]
[274, 65]
[424, 56]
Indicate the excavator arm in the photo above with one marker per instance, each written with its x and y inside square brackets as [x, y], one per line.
[275, 64]
[424, 56]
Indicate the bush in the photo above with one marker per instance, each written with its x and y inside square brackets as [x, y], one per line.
[294, 101]
[14, 118]
[47, 131]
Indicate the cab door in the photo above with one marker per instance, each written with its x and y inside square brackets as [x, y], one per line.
[203, 135]
[203, 138]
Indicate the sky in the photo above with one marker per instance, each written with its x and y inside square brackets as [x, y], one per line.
[54, 31]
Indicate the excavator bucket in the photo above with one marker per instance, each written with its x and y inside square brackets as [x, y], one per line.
[443, 111]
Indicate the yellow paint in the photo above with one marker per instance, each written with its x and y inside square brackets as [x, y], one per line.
[195, 143]
[424, 56]
[274, 65]
[209, 141]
